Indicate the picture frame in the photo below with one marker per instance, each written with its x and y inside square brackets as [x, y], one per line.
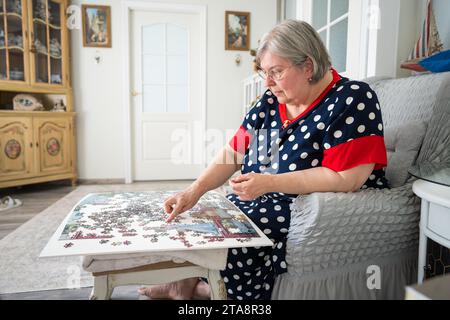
[237, 30]
[96, 26]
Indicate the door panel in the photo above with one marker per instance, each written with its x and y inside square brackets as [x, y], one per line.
[52, 136]
[16, 149]
[166, 76]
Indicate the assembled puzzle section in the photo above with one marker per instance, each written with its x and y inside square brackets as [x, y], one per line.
[131, 222]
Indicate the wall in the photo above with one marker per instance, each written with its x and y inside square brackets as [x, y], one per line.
[441, 9]
[442, 13]
[401, 27]
[395, 38]
[411, 18]
[407, 33]
[98, 87]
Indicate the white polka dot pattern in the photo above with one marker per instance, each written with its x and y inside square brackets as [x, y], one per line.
[348, 112]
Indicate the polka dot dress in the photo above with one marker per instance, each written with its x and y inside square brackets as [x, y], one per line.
[342, 129]
[250, 272]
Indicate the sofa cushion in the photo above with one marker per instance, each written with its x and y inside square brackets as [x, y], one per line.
[403, 144]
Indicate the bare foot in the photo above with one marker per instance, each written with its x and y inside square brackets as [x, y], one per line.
[179, 290]
[202, 291]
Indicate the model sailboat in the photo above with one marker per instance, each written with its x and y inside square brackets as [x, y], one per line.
[428, 44]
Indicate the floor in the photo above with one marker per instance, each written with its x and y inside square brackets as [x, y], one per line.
[121, 293]
[36, 198]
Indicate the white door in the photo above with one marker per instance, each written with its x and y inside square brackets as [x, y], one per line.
[167, 108]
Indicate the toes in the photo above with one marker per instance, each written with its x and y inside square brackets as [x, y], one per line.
[157, 292]
[202, 291]
[145, 291]
[181, 290]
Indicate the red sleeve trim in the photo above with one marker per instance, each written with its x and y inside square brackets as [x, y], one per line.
[241, 140]
[365, 150]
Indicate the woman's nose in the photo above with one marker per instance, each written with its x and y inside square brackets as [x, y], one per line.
[269, 82]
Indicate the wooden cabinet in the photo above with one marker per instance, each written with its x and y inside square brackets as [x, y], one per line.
[34, 43]
[35, 146]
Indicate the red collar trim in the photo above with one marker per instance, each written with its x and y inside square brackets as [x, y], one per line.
[282, 107]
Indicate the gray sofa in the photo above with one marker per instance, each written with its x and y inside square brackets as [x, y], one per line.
[338, 242]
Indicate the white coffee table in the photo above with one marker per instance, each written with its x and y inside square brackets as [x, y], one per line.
[154, 274]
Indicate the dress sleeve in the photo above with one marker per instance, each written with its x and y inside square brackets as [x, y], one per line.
[355, 137]
[244, 135]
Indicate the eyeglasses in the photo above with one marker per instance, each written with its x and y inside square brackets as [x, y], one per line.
[274, 74]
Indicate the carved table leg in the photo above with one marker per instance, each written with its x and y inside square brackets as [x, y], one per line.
[218, 290]
[101, 290]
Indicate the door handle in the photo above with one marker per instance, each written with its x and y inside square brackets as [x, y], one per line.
[134, 93]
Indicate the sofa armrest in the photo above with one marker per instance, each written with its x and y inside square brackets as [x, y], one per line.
[336, 229]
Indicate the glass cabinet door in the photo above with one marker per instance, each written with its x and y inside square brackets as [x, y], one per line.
[55, 46]
[3, 50]
[47, 53]
[12, 44]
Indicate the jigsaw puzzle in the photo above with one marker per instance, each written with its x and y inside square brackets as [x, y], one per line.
[132, 222]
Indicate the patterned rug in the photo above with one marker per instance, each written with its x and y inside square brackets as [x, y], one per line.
[21, 270]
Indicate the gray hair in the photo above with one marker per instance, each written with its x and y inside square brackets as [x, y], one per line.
[296, 41]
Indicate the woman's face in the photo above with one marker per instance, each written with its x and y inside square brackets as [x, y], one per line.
[292, 82]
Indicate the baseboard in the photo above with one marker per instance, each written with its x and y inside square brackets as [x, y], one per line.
[100, 181]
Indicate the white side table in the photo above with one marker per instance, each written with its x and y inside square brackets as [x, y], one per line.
[434, 218]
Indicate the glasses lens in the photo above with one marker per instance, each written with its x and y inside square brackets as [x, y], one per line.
[277, 75]
[262, 74]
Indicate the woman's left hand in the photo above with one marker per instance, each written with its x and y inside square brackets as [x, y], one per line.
[251, 185]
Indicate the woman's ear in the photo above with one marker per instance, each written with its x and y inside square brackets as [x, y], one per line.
[308, 68]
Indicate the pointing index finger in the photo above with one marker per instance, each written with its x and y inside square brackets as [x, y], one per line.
[173, 215]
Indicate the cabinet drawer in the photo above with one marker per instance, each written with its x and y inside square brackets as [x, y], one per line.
[439, 220]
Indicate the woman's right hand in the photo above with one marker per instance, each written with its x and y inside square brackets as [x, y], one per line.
[181, 202]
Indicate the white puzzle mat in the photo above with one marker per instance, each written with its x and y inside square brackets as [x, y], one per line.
[134, 222]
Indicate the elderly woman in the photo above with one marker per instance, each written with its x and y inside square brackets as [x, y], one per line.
[312, 131]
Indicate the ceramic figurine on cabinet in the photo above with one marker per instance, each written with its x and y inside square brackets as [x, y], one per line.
[26, 102]
[40, 47]
[56, 78]
[16, 7]
[40, 10]
[55, 47]
[16, 74]
[15, 40]
[2, 38]
[59, 106]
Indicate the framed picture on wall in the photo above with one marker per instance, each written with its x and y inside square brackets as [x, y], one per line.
[96, 26]
[237, 30]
